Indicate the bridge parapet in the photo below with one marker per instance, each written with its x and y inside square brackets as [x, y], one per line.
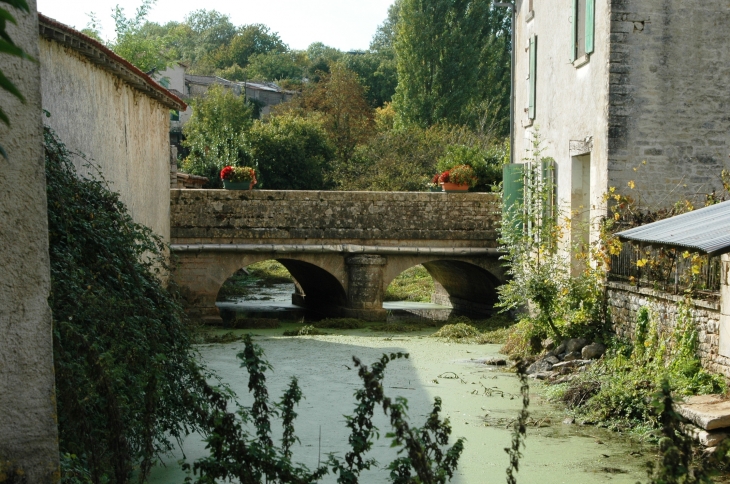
[327, 217]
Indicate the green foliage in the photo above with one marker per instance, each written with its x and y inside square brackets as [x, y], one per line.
[125, 371]
[145, 52]
[8, 47]
[414, 284]
[291, 153]
[216, 133]
[615, 390]
[561, 304]
[445, 52]
[274, 66]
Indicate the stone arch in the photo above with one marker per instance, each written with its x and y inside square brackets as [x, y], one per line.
[200, 275]
[468, 284]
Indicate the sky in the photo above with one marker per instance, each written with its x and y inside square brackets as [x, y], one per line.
[344, 24]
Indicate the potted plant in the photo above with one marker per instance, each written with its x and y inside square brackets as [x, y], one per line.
[238, 177]
[458, 179]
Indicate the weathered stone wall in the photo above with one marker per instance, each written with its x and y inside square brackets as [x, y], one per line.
[625, 301]
[28, 434]
[116, 126]
[669, 100]
[374, 218]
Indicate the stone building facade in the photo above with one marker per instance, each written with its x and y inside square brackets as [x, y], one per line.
[111, 112]
[28, 433]
[610, 84]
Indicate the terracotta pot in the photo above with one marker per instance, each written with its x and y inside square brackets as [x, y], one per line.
[238, 186]
[453, 187]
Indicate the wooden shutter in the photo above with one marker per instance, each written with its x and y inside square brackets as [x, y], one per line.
[533, 75]
[513, 184]
[590, 25]
[574, 32]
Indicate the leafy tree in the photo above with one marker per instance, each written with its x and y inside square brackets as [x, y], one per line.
[250, 40]
[320, 57]
[377, 72]
[339, 101]
[453, 64]
[211, 29]
[384, 38]
[7, 46]
[273, 66]
[131, 43]
[291, 153]
[215, 134]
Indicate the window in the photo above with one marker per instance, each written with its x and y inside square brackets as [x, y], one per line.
[529, 3]
[174, 115]
[583, 29]
[533, 76]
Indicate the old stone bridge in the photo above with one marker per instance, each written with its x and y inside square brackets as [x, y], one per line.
[342, 248]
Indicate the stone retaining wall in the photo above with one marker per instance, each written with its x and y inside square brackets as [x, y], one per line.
[625, 300]
[375, 218]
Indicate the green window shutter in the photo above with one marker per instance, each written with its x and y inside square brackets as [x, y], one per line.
[513, 198]
[547, 169]
[574, 32]
[533, 75]
[590, 25]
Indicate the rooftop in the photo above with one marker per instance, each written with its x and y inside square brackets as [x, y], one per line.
[704, 230]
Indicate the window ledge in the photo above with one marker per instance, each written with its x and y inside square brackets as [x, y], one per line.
[581, 61]
[528, 122]
[530, 15]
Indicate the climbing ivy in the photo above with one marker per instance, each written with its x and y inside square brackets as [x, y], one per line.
[125, 372]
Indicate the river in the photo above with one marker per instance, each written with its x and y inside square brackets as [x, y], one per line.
[479, 400]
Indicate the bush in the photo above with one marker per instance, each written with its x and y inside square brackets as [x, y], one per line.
[291, 153]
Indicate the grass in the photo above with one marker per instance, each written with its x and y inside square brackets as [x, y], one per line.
[494, 330]
[414, 284]
[307, 330]
[340, 323]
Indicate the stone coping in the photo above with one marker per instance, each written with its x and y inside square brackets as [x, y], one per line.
[644, 291]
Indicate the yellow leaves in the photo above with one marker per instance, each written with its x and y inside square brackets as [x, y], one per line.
[642, 262]
[686, 254]
[631, 184]
[616, 216]
[695, 269]
[612, 189]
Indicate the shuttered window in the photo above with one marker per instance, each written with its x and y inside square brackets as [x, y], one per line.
[583, 31]
[533, 76]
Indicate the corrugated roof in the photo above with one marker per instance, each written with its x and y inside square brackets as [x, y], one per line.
[104, 57]
[704, 230]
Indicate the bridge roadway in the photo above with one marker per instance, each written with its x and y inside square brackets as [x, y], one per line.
[342, 248]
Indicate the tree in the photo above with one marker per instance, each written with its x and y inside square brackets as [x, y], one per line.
[339, 102]
[377, 72]
[215, 133]
[273, 66]
[291, 153]
[453, 63]
[250, 40]
[142, 50]
[384, 38]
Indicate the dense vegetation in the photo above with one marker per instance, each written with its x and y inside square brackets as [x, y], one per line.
[341, 130]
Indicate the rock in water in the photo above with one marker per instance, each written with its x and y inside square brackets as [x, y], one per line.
[541, 366]
[593, 351]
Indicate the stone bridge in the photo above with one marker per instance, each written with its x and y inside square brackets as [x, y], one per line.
[342, 248]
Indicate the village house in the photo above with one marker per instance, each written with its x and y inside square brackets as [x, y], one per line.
[102, 106]
[609, 84]
[630, 94]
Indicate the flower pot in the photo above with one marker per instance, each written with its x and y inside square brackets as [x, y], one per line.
[453, 187]
[228, 185]
[434, 189]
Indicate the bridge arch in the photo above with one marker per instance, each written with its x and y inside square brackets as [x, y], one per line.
[468, 284]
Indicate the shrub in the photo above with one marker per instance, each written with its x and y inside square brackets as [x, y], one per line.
[291, 153]
[463, 175]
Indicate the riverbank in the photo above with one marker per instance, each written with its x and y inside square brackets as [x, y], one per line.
[477, 398]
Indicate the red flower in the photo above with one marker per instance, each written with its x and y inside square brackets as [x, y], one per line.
[435, 178]
[226, 172]
[444, 178]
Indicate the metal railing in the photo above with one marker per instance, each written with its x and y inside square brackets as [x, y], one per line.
[667, 270]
